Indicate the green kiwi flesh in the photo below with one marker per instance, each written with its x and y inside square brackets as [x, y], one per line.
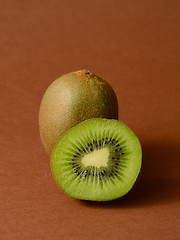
[97, 160]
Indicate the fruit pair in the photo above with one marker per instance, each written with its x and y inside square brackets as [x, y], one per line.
[97, 159]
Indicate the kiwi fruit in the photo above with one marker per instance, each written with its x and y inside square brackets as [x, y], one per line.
[71, 99]
[97, 160]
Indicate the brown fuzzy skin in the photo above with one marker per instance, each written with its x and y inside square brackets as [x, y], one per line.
[71, 99]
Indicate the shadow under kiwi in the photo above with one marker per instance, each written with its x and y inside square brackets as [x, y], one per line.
[158, 182]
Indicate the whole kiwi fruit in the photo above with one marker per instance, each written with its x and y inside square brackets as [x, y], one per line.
[71, 99]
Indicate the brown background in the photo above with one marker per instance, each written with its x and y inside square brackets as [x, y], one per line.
[135, 46]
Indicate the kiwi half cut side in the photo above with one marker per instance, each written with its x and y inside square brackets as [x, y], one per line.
[97, 160]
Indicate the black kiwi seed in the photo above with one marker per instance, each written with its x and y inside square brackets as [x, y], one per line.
[77, 154]
[74, 167]
[85, 173]
[117, 149]
[109, 174]
[114, 172]
[111, 142]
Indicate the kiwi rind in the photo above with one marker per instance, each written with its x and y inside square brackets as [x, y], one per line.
[95, 190]
[71, 99]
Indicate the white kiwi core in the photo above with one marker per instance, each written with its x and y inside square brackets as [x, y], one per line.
[96, 158]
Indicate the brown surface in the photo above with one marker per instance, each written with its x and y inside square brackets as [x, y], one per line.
[135, 46]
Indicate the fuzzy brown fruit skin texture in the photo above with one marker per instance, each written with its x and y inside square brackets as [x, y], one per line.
[71, 99]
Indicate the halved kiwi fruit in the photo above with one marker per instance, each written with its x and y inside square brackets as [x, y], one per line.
[97, 160]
